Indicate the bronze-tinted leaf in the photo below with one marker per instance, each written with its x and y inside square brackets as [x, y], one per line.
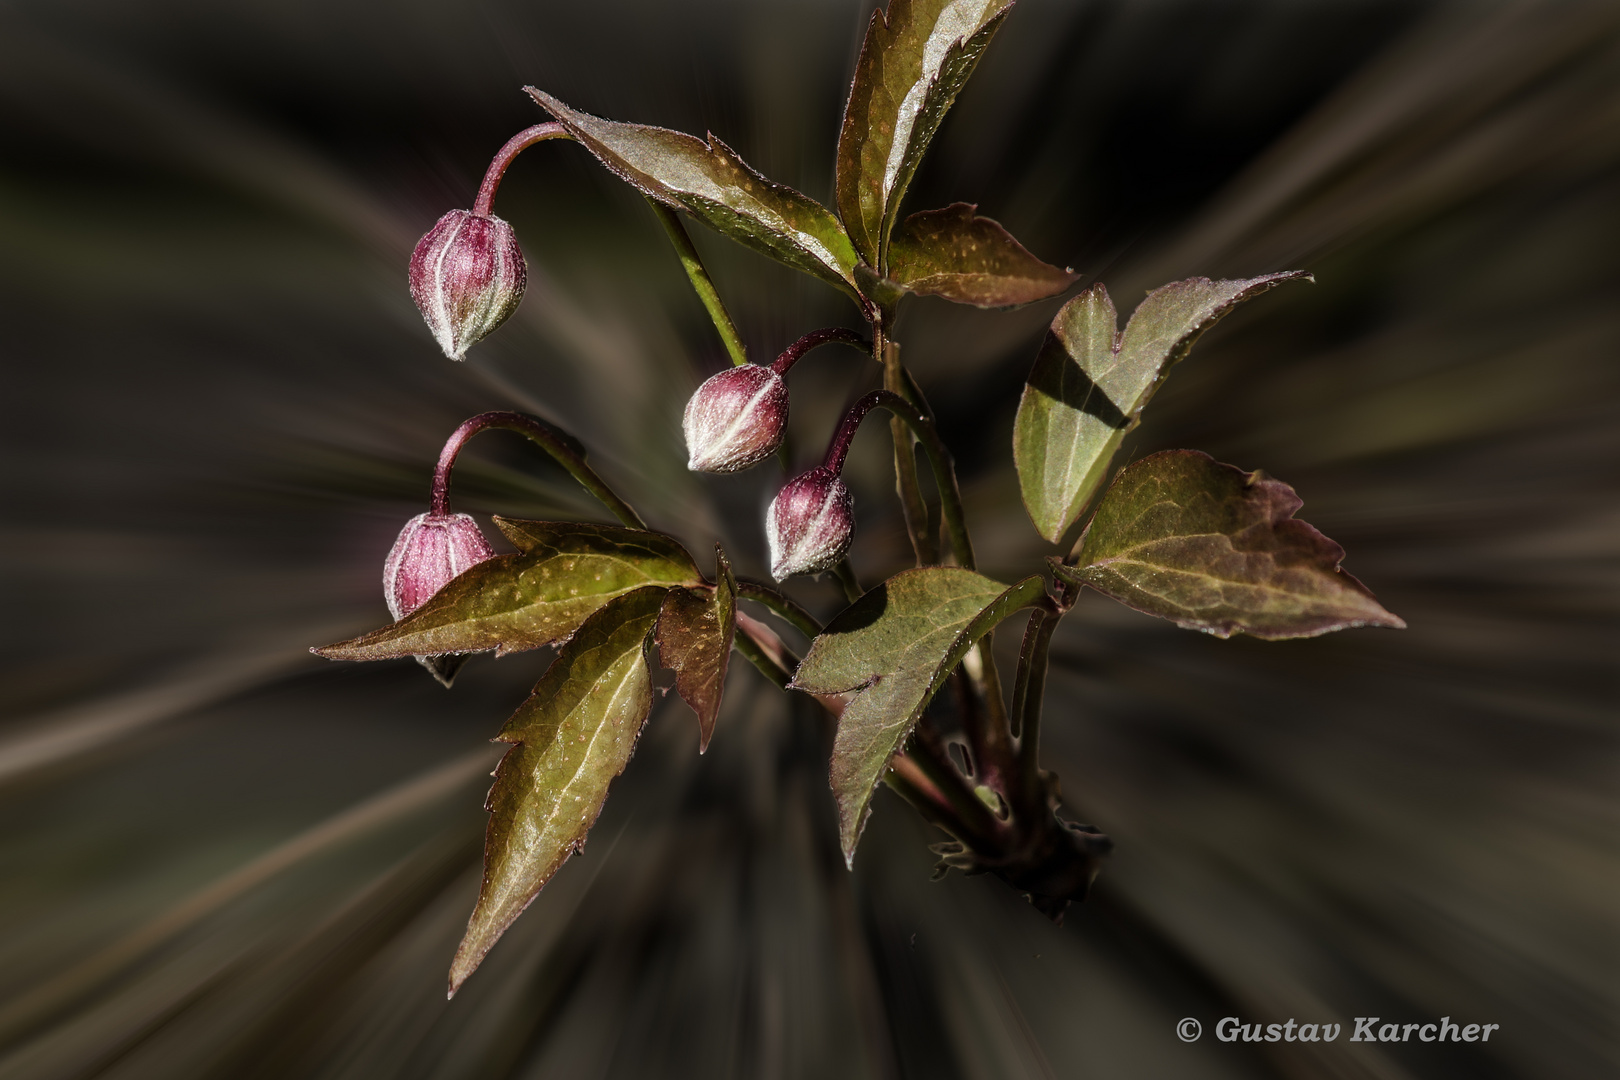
[954, 253]
[694, 636]
[709, 181]
[913, 63]
[1214, 548]
[565, 571]
[893, 647]
[1089, 386]
[572, 736]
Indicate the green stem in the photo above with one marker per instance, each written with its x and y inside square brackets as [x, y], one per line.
[561, 446]
[701, 282]
[845, 573]
[796, 616]
[761, 660]
[1029, 690]
[931, 757]
[913, 507]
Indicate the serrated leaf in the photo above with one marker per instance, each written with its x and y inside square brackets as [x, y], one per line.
[1213, 548]
[694, 635]
[563, 572]
[709, 181]
[892, 648]
[968, 259]
[573, 735]
[1089, 385]
[914, 61]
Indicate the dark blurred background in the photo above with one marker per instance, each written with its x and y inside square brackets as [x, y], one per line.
[223, 857]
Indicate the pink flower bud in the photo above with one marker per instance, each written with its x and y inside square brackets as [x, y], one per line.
[431, 549]
[810, 524]
[736, 419]
[467, 276]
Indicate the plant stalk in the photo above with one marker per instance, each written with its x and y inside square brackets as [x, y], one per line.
[563, 448]
[795, 616]
[702, 284]
[503, 157]
[912, 418]
[913, 507]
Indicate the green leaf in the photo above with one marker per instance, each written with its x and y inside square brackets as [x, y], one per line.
[572, 736]
[1089, 386]
[892, 648]
[695, 630]
[969, 259]
[1213, 548]
[913, 63]
[709, 181]
[563, 572]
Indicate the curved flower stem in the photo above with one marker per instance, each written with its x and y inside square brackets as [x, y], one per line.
[497, 166]
[795, 616]
[938, 457]
[702, 284]
[559, 445]
[814, 339]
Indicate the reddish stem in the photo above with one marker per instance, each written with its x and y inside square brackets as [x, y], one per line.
[497, 167]
[814, 338]
[560, 446]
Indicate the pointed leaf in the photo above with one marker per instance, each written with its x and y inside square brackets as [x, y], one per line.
[1089, 386]
[893, 647]
[572, 736]
[694, 636]
[709, 181]
[1213, 548]
[913, 63]
[969, 259]
[565, 571]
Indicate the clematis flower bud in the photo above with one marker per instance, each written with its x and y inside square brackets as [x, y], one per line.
[467, 276]
[431, 549]
[810, 524]
[735, 420]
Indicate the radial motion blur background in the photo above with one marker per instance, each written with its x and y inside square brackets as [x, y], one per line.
[224, 858]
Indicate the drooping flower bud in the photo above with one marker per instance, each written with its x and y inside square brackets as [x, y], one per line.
[467, 277]
[736, 419]
[810, 524]
[431, 549]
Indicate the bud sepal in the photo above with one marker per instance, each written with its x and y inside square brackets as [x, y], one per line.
[735, 420]
[810, 524]
[431, 550]
[467, 277]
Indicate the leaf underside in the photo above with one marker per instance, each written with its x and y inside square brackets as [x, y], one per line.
[954, 253]
[695, 630]
[573, 735]
[562, 573]
[914, 61]
[1089, 385]
[709, 181]
[892, 648]
[1213, 548]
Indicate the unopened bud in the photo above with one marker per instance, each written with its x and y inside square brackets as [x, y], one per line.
[736, 419]
[467, 277]
[431, 549]
[810, 524]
